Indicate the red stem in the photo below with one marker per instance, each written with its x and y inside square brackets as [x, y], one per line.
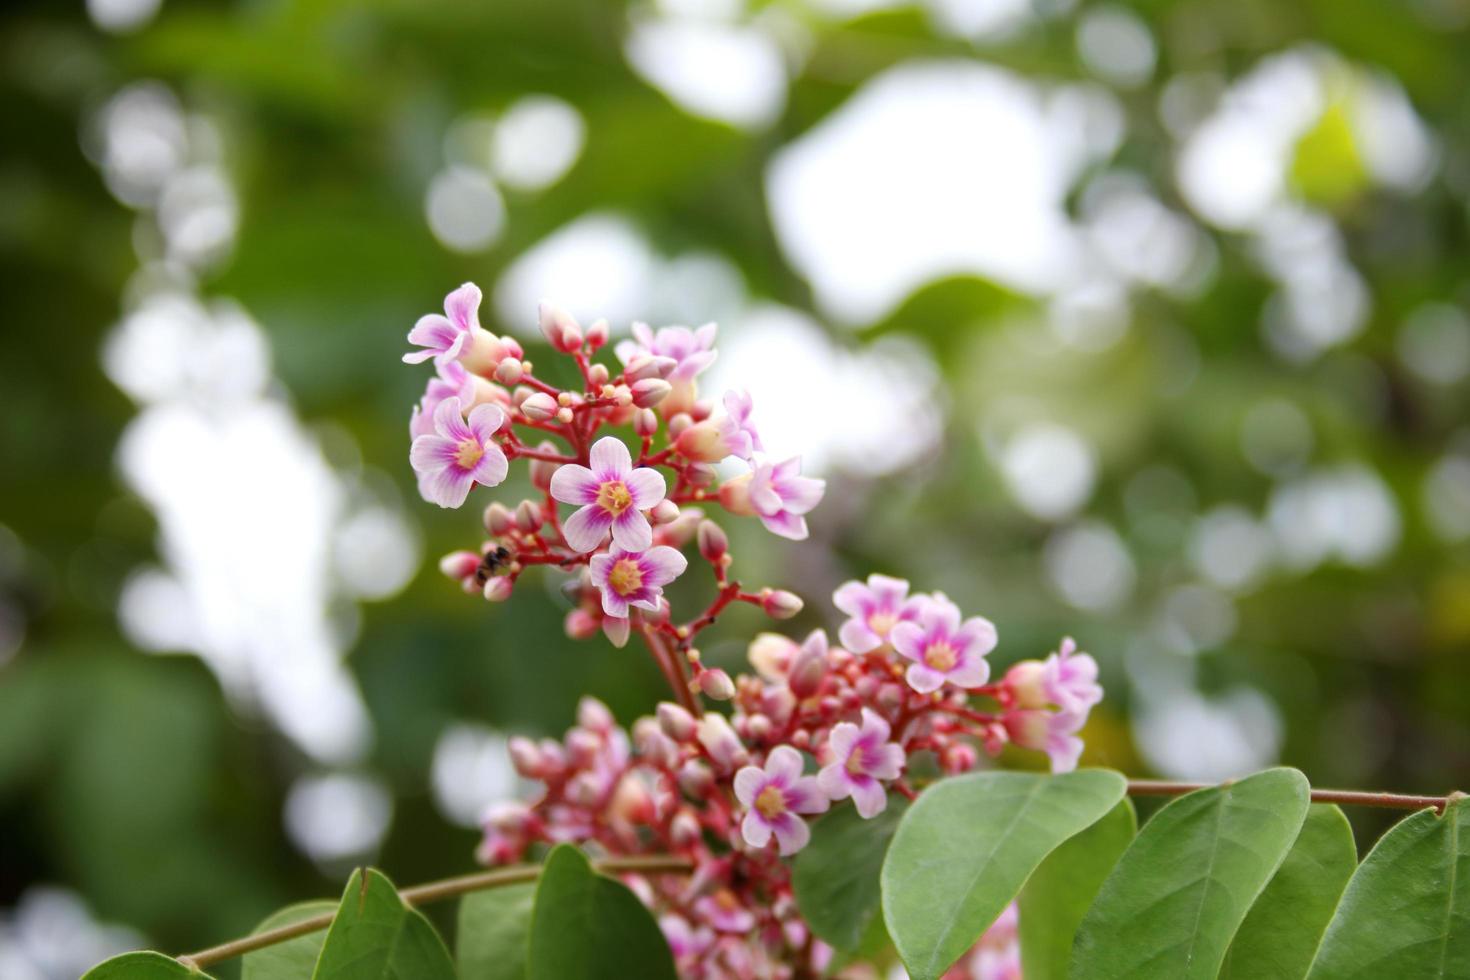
[1348, 797]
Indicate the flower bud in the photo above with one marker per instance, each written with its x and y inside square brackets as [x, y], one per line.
[542, 470]
[584, 790]
[717, 684]
[643, 366]
[652, 743]
[539, 407]
[684, 829]
[890, 698]
[701, 474]
[735, 496]
[771, 655]
[509, 371]
[483, 352]
[701, 410]
[1028, 728]
[713, 543]
[565, 416]
[721, 742]
[459, 565]
[498, 588]
[758, 728]
[583, 747]
[645, 422]
[594, 716]
[616, 629]
[678, 422]
[807, 670]
[509, 817]
[527, 516]
[597, 374]
[597, 335]
[664, 512]
[498, 520]
[559, 328]
[580, 624]
[780, 604]
[1024, 682]
[960, 757]
[695, 778]
[702, 442]
[525, 757]
[677, 723]
[650, 391]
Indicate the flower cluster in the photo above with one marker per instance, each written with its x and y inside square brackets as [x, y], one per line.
[904, 697]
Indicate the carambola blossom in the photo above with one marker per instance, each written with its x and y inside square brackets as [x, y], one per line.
[774, 796]
[740, 432]
[778, 494]
[1069, 679]
[445, 337]
[691, 350]
[614, 495]
[1052, 732]
[635, 578]
[861, 758]
[458, 453]
[944, 649]
[874, 609]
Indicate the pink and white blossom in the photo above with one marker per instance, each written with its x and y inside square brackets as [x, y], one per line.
[874, 609]
[1052, 732]
[691, 350]
[635, 578]
[614, 495]
[861, 758]
[450, 380]
[723, 911]
[739, 430]
[774, 797]
[1069, 679]
[943, 648]
[445, 337]
[778, 494]
[458, 453]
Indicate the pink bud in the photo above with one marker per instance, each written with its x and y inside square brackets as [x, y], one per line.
[780, 604]
[528, 516]
[701, 474]
[593, 715]
[583, 747]
[584, 790]
[580, 624]
[542, 470]
[678, 422]
[525, 757]
[771, 655]
[539, 407]
[644, 366]
[652, 743]
[597, 374]
[459, 565]
[664, 512]
[677, 723]
[645, 422]
[559, 328]
[758, 728]
[807, 671]
[1025, 684]
[498, 520]
[701, 410]
[960, 757]
[890, 697]
[616, 629]
[684, 829]
[1028, 728]
[720, 741]
[509, 371]
[695, 778]
[498, 588]
[650, 391]
[565, 416]
[597, 335]
[509, 818]
[717, 684]
[735, 496]
[713, 543]
[702, 442]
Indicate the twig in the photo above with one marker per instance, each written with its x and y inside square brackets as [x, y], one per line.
[1349, 797]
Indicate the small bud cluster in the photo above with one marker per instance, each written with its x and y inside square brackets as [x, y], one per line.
[813, 725]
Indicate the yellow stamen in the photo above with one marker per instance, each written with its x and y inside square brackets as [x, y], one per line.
[626, 577]
[614, 497]
[771, 802]
[469, 453]
[882, 622]
[855, 762]
[941, 656]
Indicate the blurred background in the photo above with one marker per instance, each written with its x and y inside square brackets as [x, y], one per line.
[1141, 322]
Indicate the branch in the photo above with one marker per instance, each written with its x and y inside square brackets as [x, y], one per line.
[1348, 797]
[432, 892]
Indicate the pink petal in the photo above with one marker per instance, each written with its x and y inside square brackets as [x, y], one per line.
[970, 671]
[631, 530]
[584, 530]
[853, 598]
[574, 484]
[802, 494]
[844, 736]
[610, 458]
[491, 469]
[748, 784]
[805, 796]
[784, 763]
[449, 420]
[1064, 752]
[485, 421]
[448, 488]
[888, 590]
[463, 306]
[977, 636]
[858, 637]
[792, 833]
[908, 640]
[875, 726]
[614, 604]
[755, 829]
[891, 763]
[662, 565]
[705, 336]
[834, 781]
[430, 453]
[941, 613]
[643, 333]
[869, 797]
[923, 679]
[647, 487]
[433, 331]
[787, 525]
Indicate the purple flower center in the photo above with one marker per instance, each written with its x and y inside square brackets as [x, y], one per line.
[941, 656]
[614, 497]
[468, 454]
[626, 577]
[771, 802]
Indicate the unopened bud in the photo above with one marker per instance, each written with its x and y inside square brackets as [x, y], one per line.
[580, 624]
[565, 416]
[695, 778]
[684, 829]
[593, 715]
[702, 442]
[664, 512]
[539, 407]
[459, 565]
[890, 698]
[528, 516]
[713, 542]
[771, 655]
[643, 366]
[616, 629]
[701, 474]
[542, 470]
[735, 496]
[780, 604]
[583, 747]
[758, 728]
[717, 684]
[807, 671]
[509, 817]
[701, 410]
[650, 391]
[584, 790]
[597, 374]
[645, 422]
[597, 335]
[559, 328]
[525, 757]
[960, 757]
[498, 519]
[498, 588]
[678, 422]
[509, 371]
[677, 723]
[1026, 685]
[721, 742]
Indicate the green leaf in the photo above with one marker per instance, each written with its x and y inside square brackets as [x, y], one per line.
[966, 847]
[1280, 935]
[294, 959]
[588, 926]
[1059, 892]
[141, 966]
[835, 877]
[494, 926]
[376, 937]
[1172, 904]
[1406, 912]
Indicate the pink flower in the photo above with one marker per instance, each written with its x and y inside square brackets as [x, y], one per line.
[739, 431]
[723, 911]
[451, 380]
[687, 943]
[1070, 679]
[1052, 732]
[777, 493]
[457, 455]
[443, 338]
[614, 495]
[775, 795]
[874, 608]
[692, 350]
[861, 757]
[943, 648]
[635, 578]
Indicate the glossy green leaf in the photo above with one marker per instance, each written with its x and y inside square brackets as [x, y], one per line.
[1059, 892]
[588, 926]
[1280, 934]
[835, 877]
[1406, 911]
[145, 965]
[294, 959]
[494, 927]
[966, 847]
[376, 937]
[1181, 890]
